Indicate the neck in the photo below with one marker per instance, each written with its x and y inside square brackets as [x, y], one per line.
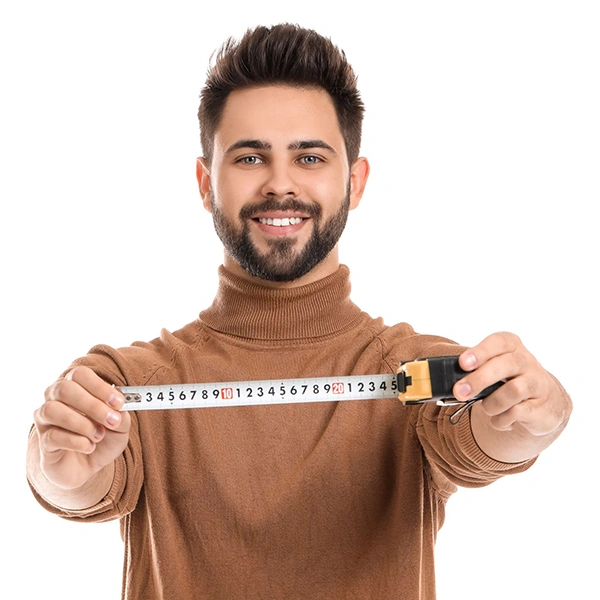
[326, 267]
[250, 310]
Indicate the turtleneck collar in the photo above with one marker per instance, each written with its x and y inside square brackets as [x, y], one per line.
[249, 310]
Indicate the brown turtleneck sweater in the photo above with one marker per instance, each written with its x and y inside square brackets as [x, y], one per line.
[298, 501]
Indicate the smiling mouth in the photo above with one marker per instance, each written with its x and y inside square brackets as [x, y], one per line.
[284, 222]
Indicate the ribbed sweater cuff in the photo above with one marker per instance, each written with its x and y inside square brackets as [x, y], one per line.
[477, 455]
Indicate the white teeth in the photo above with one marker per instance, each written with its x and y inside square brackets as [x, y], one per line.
[281, 222]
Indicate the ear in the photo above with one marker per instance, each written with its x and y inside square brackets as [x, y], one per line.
[359, 173]
[203, 177]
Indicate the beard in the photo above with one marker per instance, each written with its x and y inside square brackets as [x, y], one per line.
[282, 262]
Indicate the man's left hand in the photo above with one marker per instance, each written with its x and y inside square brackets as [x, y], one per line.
[530, 396]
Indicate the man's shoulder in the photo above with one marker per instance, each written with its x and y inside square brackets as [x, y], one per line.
[400, 342]
[141, 361]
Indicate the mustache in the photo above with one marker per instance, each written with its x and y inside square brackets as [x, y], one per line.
[289, 204]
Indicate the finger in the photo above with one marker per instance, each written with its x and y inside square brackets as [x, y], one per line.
[493, 345]
[58, 414]
[96, 386]
[56, 440]
[511, 393]
[74, 395]
[499, 368]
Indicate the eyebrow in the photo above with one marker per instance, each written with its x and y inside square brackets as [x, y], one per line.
[297, 145]
[255, 144]
[308, 144]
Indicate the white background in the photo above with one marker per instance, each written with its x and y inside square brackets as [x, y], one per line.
[483, 134]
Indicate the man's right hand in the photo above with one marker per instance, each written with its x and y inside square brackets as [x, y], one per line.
[80, 428]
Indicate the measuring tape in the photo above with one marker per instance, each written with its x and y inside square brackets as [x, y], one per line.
[253, 393]
[416, 382]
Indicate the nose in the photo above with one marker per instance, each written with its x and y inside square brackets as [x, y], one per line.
[280, 181]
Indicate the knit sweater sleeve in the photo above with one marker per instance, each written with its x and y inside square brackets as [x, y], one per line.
[129, 366]
[452, 453]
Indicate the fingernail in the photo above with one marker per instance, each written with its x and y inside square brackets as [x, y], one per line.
[97, 433]
[464, 390]
[469, 360]
[113, 418]
[115, 401]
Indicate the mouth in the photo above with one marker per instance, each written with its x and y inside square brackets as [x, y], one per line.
[280, 223]
[285, 222]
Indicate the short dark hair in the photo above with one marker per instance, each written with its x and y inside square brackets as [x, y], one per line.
[283, 54]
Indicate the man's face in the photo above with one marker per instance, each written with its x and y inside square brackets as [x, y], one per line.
[279, 186]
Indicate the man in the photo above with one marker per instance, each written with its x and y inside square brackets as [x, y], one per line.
[327, 500]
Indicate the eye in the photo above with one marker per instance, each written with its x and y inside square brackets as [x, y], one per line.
[310, 159]
[250, 160]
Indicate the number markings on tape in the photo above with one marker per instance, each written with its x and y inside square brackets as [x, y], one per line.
[252, 393]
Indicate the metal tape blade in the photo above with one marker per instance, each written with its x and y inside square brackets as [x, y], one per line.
[264, 392]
